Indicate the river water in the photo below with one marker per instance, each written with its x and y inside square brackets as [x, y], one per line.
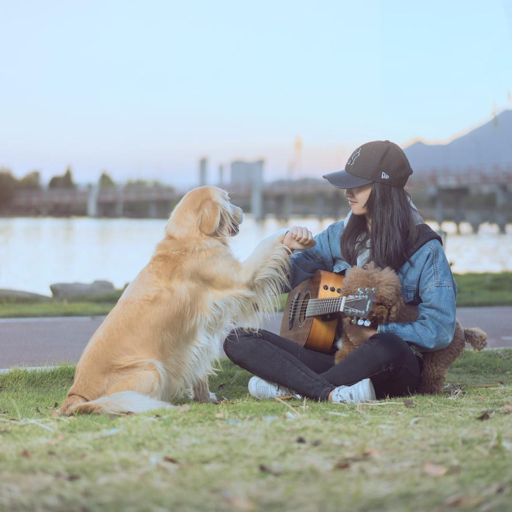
[36, 252]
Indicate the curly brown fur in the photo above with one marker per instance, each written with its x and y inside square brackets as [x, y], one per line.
[389, 289]
[388, 297]
[391, 307]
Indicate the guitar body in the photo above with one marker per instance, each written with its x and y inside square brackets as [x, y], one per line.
[315, 333]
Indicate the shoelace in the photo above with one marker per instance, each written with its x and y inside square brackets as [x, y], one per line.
[339, 394]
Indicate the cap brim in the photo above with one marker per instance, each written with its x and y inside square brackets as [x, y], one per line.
[343, 179]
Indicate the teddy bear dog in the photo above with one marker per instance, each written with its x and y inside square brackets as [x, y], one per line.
[390, 307]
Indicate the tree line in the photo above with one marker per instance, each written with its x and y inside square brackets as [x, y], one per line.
[9, 184]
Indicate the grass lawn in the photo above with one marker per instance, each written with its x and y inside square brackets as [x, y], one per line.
[51, 308]
[12, 307]
[431, 453]
[475, 289]
[484, 289]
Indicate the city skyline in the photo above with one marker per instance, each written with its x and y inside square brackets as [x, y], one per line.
[146, 92]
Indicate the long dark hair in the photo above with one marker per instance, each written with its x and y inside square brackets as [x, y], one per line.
[393, 228]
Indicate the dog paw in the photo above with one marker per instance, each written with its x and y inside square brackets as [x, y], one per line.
[213, 398]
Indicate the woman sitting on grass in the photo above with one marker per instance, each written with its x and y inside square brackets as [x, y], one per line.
[382, 227]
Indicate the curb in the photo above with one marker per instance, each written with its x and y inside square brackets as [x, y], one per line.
[29, 368]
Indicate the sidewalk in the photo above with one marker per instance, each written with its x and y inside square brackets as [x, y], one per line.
[51, 341]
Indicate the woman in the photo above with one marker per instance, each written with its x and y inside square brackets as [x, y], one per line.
[383, 227]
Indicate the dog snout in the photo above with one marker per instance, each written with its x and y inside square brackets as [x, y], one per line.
[238, 214]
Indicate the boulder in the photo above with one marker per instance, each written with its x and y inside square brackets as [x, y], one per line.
[63, 291]
[18, 294]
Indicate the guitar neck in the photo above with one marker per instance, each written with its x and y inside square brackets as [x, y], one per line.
[320, 307]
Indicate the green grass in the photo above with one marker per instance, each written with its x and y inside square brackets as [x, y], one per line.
[475, 289]
[13, 307]
[48, 309]
[484, 289]
[249, 455]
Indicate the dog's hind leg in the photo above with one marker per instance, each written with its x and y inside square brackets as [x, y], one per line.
[146, 377]
[137, 389]
[70, 404]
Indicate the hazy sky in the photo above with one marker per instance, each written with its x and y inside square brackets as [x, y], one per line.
[144, 89]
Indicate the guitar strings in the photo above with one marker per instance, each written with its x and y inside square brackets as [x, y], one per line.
[316, 309]
[327, 303]
[322, 312]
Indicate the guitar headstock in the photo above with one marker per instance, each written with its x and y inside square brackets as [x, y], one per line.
[360, 306]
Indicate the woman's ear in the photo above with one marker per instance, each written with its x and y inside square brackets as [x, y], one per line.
[209, 217]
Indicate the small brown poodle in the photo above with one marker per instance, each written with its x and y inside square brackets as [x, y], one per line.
[391, 308]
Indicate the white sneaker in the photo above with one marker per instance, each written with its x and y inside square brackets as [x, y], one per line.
[360, 392]
[260, 389]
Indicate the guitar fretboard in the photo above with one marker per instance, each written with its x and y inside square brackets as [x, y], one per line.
[320, 307]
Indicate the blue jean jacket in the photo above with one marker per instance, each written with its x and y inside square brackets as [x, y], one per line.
[427, 282]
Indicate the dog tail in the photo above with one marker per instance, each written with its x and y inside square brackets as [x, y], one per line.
[476, 338]
[123, 402]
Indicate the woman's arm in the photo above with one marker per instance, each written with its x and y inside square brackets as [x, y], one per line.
[435, 325]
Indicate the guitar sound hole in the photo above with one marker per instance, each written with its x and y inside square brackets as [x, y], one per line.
[303, 307]
[293, 310]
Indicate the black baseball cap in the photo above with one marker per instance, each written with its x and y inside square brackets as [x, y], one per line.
[380, 160]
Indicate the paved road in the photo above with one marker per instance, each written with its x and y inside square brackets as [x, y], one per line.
[42, 341]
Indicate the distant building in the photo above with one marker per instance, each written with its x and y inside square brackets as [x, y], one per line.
[221, 175]
[247, 175]
[203, 164]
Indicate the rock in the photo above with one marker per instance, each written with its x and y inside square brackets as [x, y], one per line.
[18, 294]
[63, 291]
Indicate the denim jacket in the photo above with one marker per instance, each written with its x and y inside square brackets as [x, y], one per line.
[427, 282]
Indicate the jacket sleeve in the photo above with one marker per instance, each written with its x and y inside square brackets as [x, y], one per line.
[303, 264]
[435, 325]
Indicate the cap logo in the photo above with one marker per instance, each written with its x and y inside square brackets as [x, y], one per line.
[354, 156]
[384, 176]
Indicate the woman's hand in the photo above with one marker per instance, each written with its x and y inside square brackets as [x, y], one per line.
[357, 334]
[299, 238]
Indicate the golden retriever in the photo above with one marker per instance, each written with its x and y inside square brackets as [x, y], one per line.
[162, 337]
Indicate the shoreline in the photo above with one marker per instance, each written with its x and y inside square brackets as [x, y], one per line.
[475, 289]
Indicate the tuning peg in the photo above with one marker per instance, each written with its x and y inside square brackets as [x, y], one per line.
[374, 289]
[360, 290]
[360, 321]
[353, 321]
[367, 323]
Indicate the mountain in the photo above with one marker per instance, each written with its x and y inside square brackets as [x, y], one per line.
[487, 145]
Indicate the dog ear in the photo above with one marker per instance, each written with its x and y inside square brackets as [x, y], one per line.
[381, 314]
[209, 217]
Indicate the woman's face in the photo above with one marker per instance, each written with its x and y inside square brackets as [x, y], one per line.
[358, 197]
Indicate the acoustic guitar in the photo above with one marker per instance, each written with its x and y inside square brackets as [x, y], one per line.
[314, 308]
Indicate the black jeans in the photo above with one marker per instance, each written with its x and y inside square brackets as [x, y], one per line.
[385, 358]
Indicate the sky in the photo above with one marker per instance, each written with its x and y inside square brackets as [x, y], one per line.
[145, 89]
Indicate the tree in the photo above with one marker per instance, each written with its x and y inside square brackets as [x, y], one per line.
[137, 185]
[8, 184]
[145, 184]
[32, 181]
[65, 181]
[106, 181]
